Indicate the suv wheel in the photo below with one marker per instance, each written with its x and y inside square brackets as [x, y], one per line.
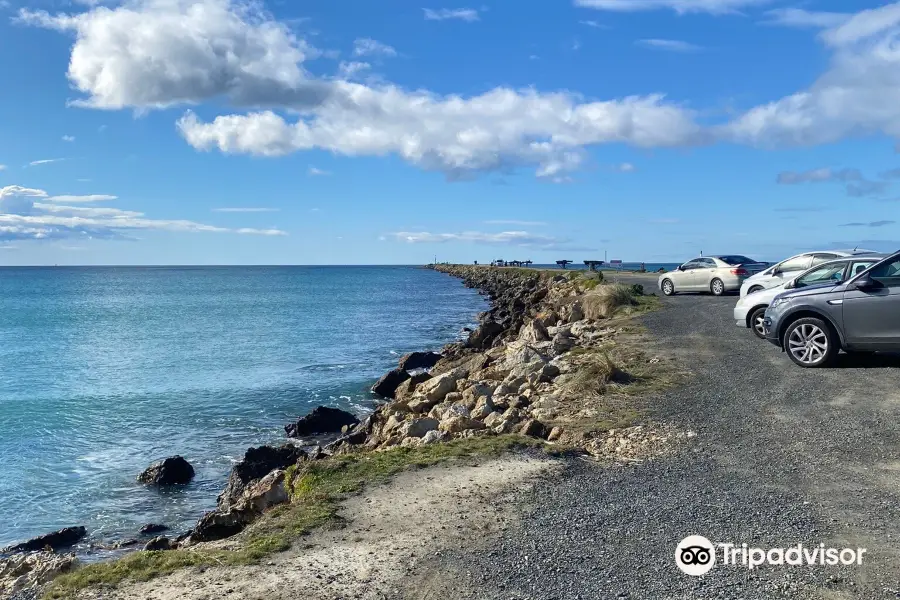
[717, 287]
[756, 322]
[668, 288]
[810, 342]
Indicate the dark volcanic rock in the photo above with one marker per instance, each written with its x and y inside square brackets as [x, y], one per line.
[484, 335]
[171, 471]
[219, 524]
[387, 385]
[419, 360]
[321, 420]
[257, 463]
[58, 539]
[153, 528]
[158, 543]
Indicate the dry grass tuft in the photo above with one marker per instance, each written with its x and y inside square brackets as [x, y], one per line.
[605, 300]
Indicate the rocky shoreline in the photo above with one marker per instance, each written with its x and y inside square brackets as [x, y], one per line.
[541, 363]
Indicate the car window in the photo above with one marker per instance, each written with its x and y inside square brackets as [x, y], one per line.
[887, 274]
[821, 257]
[833, 272]
[691, 264]
[858, 266]
[798, 263]
[736, 259]
[707, 263]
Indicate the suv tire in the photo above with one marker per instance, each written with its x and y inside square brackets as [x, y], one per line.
[810, 342]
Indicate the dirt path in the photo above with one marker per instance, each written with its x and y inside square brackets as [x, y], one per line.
[391, 528]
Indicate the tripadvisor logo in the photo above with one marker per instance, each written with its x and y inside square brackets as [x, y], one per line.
[696, 555]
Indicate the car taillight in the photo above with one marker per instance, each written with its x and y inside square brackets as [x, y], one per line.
[739, 271]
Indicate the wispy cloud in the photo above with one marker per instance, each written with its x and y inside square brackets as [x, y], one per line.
[869, 224]
[352, 69]
[625, 167]
[892, 174]
[82, 199]
[316, 172]
[68, 138]
[801, 209]
[818, 176]
[515, 222]
[45, 161]
[594, 24]
[245, 210]
[857, 185]
[522, 239]
[27, 214]
[669, 45]
[800, 18]
[444, 14]
[716, 7]
[2, 167]
[370, 47]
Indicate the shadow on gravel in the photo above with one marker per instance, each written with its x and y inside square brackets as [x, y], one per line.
[867, 361]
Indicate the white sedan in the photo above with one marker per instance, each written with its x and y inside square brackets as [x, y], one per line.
[750, 309]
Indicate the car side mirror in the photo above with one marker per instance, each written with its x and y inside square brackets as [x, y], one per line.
[776, 272]
[790, 284]
[866, 283]
[679, 268]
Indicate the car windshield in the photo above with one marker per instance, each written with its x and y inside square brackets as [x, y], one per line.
[736, 259]
[833, 272]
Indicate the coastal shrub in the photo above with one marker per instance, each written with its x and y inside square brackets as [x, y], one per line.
[605, 300]
[596, 370]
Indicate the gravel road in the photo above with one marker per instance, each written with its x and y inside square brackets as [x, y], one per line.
[783, 455]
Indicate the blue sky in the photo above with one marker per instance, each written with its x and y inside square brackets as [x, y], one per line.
[356, 132]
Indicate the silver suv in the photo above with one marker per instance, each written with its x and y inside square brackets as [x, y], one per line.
[859, 313]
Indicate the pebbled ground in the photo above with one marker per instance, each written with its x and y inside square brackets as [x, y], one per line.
[783, 455]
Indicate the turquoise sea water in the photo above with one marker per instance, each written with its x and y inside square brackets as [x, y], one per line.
[104, 370]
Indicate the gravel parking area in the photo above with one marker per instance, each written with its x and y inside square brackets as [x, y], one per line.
[783, 455]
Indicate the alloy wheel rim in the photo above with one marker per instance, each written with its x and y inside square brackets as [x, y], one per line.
[667, 287]
[758, 324]
[808, 343]
[718, 287]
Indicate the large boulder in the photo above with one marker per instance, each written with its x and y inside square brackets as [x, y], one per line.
[153, 528]
[322, 419]
[389, 382]
[63, 538]
[420, 427]
[174, 470]
[458, 424]
[158, 543]
[257, 463]
[437, 388]
[419, 360]
[534, 332]
[406, 389]
[21, 575]
[267, 492]
[220, 524]
[484, 335]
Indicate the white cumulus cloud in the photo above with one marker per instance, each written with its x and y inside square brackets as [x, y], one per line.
[859, 94]
[501, 128]
[801, 18]
[159, 53]
[370, 47]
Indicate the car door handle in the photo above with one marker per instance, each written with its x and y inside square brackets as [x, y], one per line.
[836, 302]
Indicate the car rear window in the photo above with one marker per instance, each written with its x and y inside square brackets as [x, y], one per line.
[735, 259]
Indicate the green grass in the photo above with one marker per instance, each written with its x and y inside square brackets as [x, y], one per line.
[315, 488]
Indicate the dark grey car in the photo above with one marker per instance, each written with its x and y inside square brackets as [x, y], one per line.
[860, 313]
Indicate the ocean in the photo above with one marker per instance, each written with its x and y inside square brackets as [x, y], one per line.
[105, 370]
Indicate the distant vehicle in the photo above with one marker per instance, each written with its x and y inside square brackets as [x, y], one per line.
[750, 309]
[787, 269]
[714, 274]
[860, 314]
